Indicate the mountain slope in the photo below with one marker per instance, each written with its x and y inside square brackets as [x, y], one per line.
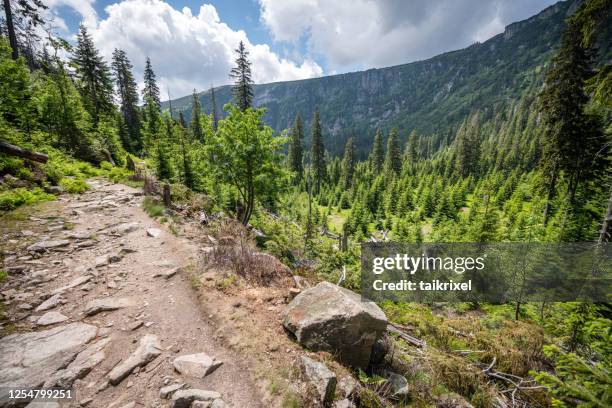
[430, 96]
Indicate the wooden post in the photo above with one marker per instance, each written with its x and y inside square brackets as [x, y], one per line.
[167, 196]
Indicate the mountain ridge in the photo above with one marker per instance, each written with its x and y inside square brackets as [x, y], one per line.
[432, 95]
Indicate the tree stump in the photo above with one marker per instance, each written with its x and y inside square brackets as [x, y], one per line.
[166, 195]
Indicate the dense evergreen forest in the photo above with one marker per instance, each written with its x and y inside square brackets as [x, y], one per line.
[535, 169]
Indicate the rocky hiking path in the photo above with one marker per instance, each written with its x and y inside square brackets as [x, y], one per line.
[99, 297]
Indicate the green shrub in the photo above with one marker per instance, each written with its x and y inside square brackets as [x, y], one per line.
[11, 199]
[106, 166]
[25, 174]
[74, 185]
[3, 275]
[152, 207]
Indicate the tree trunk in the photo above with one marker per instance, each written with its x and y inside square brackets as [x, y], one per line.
[11, 29]
[606, 226]
[551, 193]
[167, 196]
[13, 150]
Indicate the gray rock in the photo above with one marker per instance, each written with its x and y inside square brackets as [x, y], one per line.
[43, 404]
[347, 386]
[218, 403]
[101, 261]
[167, 273]
[28, 360]
[196, 365]
[57, 190]
[167, 391]
[46, 245]
[84, 362]
[105, 304]
[153, 232]
[331, 318]
[344, 403]
[51, 318]
[323, 379]
[80, 235]
[73, 284]
[184, 398]
[398, 383]
[147, 350]
[49, 303]
[125, 228]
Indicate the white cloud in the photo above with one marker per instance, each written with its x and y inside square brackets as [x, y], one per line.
[374, 33]
[187, 51]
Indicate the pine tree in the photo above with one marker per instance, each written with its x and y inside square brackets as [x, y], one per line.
[377, 155]
[182, 120]
[164, 167]
[188, 173]
[94, 78]
[319, 167]
[128, 97]
[150, 90]
[574, 142]
[393, 160]
[468, 147]
[348, 164]
[215, 112]
[242, 90]
[195, 125]
[295, 149]
[411, 147]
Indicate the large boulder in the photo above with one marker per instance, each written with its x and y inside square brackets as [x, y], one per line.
[331, 318]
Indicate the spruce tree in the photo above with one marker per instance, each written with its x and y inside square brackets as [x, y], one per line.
[93, 76]
[150, 90]
[215, 112]
[242, 90]
[393, 159]
[348, 164]
[319, 168]
[127, 91]
[411, 147]
[295, 149]
[574, 142]
[182, 120]
[195, 125]
[377, 157]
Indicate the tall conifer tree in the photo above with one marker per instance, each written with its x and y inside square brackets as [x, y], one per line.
[317, 152]
[93, 76]
[377, 157]
[215, 112]
[150, 90]
[196, 112]
[393, 160]
[295, 148]
[127, 91]
[348, 164]
[242, 90]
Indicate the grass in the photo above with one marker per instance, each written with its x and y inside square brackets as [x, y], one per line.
[12, 199]
[153, 207]
[3, 275]
[74, 185]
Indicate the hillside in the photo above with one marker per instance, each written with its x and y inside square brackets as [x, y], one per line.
[430, 95]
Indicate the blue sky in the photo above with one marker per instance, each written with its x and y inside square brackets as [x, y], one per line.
[191, 43]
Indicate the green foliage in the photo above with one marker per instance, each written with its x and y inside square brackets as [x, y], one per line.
[247, 156]
[153, 207]
[73, 185]
[11, 199]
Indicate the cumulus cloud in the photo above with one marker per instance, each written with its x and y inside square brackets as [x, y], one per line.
[187, 50]
[374, 33]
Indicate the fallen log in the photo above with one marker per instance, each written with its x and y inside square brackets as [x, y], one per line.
[13, 150]
[393, 329]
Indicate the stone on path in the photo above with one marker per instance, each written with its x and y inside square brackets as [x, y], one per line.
[154, 232]
[49, 303]
[167, 391]
[330, 318]
[184, 398]
[196, 365]
[78, 281]
[344, 403]
[323, 379]
[147, 350]
[28, 360]
[105, 304]
[84, 362]
[167, 274]
[125, 228]
[45, 245]
[51, 318]
[101, 261]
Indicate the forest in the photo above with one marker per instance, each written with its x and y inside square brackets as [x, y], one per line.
[535, 168]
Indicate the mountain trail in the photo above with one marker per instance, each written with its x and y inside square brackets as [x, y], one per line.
[101, 300]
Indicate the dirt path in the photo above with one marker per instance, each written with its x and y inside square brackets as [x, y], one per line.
[99, 246]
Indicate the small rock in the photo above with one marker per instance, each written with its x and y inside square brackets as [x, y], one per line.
[56, 190]
[184, 398]
[46, 245]
[347, 386]
[345, 403]
[85, 402]
[148, 350]
[218, 403]
[135, 325]
[51, 318]
[105, 304]
[25, 306]
[196, 365]
[320, 376]
[167, 274]
[101, 261]
[49, 303]
[166, 392]
[154, 232]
